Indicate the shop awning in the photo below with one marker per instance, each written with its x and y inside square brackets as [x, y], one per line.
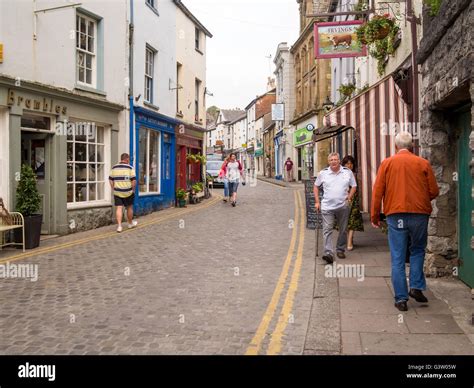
[329, 131]
[376, 115]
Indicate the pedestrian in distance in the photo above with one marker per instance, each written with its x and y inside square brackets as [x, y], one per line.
[406, 185]
[339, 186]
[355, 223]
[123, 182]
[234, 172]
[289, 170]
[223, 175]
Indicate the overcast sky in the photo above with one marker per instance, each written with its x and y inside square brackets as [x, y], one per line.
[245, 32]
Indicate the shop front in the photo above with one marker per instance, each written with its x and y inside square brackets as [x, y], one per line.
[155, 147]
[189, 141]
[303, 142]
[70, 141]
[279, 155]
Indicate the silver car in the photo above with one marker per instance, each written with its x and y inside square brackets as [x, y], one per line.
[212, 168]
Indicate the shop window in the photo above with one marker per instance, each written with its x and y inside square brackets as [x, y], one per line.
[149, 161]
[86, 163]
[86, 50]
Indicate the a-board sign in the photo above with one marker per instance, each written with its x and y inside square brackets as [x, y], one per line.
[313, 219]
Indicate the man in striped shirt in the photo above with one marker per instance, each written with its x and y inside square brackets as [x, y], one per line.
[123, 182]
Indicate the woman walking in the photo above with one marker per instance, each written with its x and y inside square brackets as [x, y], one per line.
[356, 224]
[223, 176]
[234, 172]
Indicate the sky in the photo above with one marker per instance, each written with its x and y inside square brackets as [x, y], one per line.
[245, 33]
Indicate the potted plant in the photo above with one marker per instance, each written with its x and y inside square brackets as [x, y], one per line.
[181, 197]
[28, 201]
[347, 90]
[380, 34]
[191, 158]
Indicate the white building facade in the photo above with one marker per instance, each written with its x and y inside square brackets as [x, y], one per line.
[63, 117]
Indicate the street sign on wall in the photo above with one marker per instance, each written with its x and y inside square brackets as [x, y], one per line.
[278, 112]
[338, 40]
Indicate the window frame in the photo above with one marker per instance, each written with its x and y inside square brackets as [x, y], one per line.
[86, 52]
[197, 39]
[105, 165]
[149, 74]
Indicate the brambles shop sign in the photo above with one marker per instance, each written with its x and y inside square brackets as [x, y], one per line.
[338, 40]
[45, 105]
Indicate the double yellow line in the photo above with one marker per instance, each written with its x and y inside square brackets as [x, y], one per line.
[105, 235]
[276, 336]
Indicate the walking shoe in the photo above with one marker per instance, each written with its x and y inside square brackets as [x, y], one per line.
[224, 199]
[402, 305]
[418, 296]
[350, 247]
[233, 203]
[119, 229]
[133, 224]
[328, 258]
[341, 255]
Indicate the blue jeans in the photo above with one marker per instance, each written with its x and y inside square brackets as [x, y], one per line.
[226, 188]
[402, 226]
[233, 188]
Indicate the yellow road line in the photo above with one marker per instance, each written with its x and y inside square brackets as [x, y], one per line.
[259, 336]
[108, 234]
[275, 342]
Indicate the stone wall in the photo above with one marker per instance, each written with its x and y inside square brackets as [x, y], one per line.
[446, 58]
[86, 219]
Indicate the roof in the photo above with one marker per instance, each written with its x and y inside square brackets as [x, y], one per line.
[189, 14]
[241, 117]
[230, 115]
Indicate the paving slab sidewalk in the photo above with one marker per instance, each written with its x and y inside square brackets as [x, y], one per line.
[355, 315]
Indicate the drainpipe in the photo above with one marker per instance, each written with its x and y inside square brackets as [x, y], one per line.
[414, 64]
[130, 86]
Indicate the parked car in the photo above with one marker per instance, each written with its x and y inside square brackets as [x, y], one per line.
[212, 168]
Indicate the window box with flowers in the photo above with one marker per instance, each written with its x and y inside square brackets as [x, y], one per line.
[380, 34]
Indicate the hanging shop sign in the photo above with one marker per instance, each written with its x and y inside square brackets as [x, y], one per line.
[278, 112]
[338, 40]
[303, 135]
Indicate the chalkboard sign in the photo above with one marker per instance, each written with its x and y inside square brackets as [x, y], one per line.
[313, 219]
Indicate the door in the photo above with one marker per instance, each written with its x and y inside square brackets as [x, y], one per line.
[300, 163]
[35, 152]
[465, 228]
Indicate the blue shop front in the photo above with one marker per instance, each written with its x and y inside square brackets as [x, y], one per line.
[154, 160]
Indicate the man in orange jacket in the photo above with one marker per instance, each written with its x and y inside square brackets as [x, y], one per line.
[406, 184]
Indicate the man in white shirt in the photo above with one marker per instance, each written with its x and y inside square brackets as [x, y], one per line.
[339, 186]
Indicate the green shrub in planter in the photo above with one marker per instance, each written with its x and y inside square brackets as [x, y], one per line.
[28, 202]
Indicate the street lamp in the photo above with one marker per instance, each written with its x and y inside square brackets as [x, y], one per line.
[328, 104]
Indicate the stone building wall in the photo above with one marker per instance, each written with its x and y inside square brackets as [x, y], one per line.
[86, 219]
[446, 59]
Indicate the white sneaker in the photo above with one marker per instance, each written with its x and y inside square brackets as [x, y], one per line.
[119, 229]
[133, 224]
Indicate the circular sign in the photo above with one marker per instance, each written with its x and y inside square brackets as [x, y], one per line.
[310, 127]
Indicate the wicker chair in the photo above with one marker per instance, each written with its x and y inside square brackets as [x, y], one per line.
[8, 223]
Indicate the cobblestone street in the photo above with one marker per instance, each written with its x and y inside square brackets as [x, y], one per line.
[209, 279]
